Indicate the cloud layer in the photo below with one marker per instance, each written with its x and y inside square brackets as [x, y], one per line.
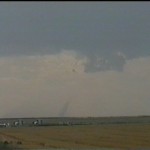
[58, 85]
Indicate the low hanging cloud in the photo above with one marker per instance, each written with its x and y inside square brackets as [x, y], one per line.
[115, 61]
[58, 85]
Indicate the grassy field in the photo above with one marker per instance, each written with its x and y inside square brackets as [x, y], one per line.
[131, 136]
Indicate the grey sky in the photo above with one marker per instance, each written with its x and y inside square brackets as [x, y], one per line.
[77, 53]
[88, 27]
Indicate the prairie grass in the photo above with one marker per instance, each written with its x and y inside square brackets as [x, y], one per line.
[131, 136]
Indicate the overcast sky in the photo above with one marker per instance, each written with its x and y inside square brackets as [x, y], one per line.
[74, 59]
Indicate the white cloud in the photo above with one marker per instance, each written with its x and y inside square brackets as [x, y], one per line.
[42, 86]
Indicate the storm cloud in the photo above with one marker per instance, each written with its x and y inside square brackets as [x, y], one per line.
[91, 28]
[46, 85]
[74, 59]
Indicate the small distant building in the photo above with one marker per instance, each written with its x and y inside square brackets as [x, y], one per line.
[37, 122]
[18, 123]
[4, 124]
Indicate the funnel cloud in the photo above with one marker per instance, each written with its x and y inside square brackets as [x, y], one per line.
[74, 59]
[33, 86]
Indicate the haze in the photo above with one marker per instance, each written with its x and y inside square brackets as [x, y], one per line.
[74, 59]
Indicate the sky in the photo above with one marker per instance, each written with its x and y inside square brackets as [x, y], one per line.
[74, 59]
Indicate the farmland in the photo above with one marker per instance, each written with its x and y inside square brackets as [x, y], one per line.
[121, 136]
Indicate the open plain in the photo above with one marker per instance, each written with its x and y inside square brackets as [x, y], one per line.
[119, 136]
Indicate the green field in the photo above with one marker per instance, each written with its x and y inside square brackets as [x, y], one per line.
[79, 136]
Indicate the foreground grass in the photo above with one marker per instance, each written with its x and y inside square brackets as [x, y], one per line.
[85, 136]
